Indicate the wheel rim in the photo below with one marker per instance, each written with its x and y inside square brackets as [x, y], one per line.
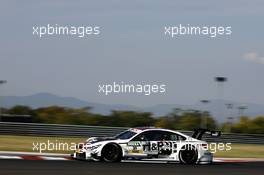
[188, 156]
[111, 153]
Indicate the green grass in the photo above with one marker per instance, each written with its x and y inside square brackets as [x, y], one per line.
[25, 143]
[243, 150]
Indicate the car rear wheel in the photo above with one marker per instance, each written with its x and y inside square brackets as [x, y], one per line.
[188, 155]
[111, 153]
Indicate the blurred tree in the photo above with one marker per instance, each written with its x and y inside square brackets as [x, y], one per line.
[20, 110]
[178, 119]
[131, 118]
[247, 125]
[186, 120]
[165, 122]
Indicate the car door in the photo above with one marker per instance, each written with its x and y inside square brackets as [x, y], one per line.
[166, 143]
[141, 144]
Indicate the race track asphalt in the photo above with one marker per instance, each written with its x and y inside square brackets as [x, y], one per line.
[32, 167]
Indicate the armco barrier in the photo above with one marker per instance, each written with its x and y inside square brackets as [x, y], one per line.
[57, 130]
[36, 129]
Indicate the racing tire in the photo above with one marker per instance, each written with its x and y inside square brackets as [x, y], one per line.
[111, 152]
[188, 154]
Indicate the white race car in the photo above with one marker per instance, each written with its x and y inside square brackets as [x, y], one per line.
[153, 144]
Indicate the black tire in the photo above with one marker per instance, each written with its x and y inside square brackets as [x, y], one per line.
[188, 154]
[111, 152]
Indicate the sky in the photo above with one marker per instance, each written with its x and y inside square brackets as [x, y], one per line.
[132, 48]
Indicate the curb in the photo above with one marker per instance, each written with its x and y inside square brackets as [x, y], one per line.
[34, 156]
[222, 159]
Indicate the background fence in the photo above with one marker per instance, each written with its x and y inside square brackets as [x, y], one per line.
[35, 129]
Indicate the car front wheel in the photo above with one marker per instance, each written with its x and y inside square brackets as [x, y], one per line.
[111, 152]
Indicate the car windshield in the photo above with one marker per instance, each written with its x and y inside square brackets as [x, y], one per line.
[125, 135]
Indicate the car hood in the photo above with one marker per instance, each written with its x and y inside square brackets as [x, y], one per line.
[92, 140]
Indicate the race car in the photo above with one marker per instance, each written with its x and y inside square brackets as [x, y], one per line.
[148, 143]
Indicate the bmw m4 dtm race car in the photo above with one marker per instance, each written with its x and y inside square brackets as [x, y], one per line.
[153, 144]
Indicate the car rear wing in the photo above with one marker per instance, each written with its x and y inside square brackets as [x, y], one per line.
[198, 133]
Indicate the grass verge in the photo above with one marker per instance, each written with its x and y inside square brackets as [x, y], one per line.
[243, 150]
[28, 143]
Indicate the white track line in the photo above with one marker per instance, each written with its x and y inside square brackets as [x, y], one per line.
[218, 160]
[53, 158]
[238, 159]
[10, 157]
[33, 154]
